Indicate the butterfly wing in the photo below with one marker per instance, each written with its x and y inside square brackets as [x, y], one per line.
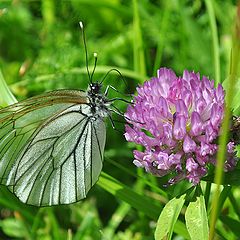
[51, 152]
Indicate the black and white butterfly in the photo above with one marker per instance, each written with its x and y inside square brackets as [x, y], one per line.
[51, 146]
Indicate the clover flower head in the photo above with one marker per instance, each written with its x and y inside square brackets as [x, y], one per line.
[177, 120]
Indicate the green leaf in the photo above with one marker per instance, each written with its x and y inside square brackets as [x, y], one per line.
[196, 219]
[235, 104]
[168, 218]
[6, 97]
[14, 228]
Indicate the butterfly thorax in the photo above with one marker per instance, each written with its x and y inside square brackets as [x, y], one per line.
[97, 101]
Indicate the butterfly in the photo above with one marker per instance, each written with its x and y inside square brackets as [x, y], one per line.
[51, 145]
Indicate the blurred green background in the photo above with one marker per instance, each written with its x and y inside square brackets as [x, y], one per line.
[41, 49]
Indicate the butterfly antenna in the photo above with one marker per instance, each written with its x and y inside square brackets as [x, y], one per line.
[85, 48]
[113, 70]
[119, 74]
[95, 64]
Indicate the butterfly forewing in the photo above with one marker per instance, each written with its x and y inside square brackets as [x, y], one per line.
[51, 152]
[19, 121]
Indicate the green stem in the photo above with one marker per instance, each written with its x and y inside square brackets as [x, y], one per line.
[48, 13]
[217, 206]
[234, 62]
[138, 49]
[215, 41]
[115, 220]
[162, 36]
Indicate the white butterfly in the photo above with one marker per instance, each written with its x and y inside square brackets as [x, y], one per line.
[51, 146]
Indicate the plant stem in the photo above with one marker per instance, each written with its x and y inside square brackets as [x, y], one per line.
[138, 49]
[215, 41]
[234, 62]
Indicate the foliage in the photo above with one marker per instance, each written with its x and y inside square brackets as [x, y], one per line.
[41, 49]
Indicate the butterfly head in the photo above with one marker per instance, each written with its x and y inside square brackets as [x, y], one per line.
[97, 101]
[94, 89]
